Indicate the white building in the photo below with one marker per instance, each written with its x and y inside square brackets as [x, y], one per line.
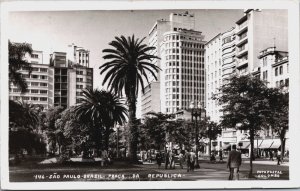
[181, 50]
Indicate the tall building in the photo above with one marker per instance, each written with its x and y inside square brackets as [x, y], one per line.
[256, 30]
[214, 78]
[58, 83]
[37, 82]
[243, 51]
[181, 50]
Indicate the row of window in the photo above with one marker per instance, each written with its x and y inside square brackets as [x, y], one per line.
[282, 83]
[34, 76]
[41, 84]
[33, 91]
[35, 69]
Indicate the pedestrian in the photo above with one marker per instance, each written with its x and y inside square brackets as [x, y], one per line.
[167, 155]
[192, 160]
[181, 159]
[212, 157]
[278, 157]
[158, 158]
[188, 160]
[271, 155]
[172, 159]
[221, 155]
[233, 163]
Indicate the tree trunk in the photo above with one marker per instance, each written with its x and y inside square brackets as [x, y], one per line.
[133, 137]
[282, 141]
[251, 152]
[107, 138]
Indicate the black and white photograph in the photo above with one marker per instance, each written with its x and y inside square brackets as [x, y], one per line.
[187, 93]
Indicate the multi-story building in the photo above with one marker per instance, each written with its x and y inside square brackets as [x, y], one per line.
[214, 78]
[273, 67]
[183, 73]
[58, 83]
[256, 30]
[181, 50]
[37, 82]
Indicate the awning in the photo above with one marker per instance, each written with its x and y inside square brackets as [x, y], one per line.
[243, 145]
[266, 144]
[257, 143]
[276, 144]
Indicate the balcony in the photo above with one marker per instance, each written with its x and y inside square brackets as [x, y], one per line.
[242, 39]
[242, 63]
[242, 27]
[241, 52]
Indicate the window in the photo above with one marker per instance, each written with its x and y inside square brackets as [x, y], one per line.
[281, 83]
[34, 56]
[265, 61]
[35, 76]
[34, 84]
[287, 82]
[79, 79]
[276, 71]
[43, 99]
[43, 84]
[34, 91]
[35, 69]
[43, 91]
[44, 77]
[280, 70]
[34, 99]
[25, 98]
[43, 70]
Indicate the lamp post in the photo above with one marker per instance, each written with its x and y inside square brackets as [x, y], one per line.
[196, 112]
[209, 133]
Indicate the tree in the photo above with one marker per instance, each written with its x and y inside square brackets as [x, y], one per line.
[16, 54]
[24, 115]
[51, 128]
[127, 68]
[245, 106]
[24, 120]
[211, 131]
[101, 110]
[278, 117]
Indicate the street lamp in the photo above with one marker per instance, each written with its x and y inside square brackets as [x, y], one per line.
[196, 112]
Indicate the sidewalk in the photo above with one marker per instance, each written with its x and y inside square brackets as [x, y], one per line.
[266, 162]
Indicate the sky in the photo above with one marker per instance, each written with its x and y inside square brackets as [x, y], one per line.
[51, 31]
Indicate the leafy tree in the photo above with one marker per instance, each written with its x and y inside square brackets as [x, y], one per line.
[51, 129]
[100, 110]
[16, 57]
[245, 106]
[24, 120]
[211, 132]
[278, 117]
[127, 68]
[22, 114]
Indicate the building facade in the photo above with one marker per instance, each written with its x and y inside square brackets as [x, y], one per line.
[57, 83]
[255, 31]
[181, 50]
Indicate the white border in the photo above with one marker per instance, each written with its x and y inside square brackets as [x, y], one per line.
[293, 9]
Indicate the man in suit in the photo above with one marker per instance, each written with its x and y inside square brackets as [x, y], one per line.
[234, 162]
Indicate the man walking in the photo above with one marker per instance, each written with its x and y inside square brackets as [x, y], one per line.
[233, 163]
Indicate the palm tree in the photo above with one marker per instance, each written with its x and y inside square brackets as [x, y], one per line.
[101, 109]
[23, 114]
[17, 52]
[127, 68]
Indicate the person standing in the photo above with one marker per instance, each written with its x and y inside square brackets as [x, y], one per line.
[167, 159]
[192, 160]
[172, 160]
[158, 158]
[221, 155]
[234, 162]
[188, 160]
[181, 159]
[278, 157]
[271, 155]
